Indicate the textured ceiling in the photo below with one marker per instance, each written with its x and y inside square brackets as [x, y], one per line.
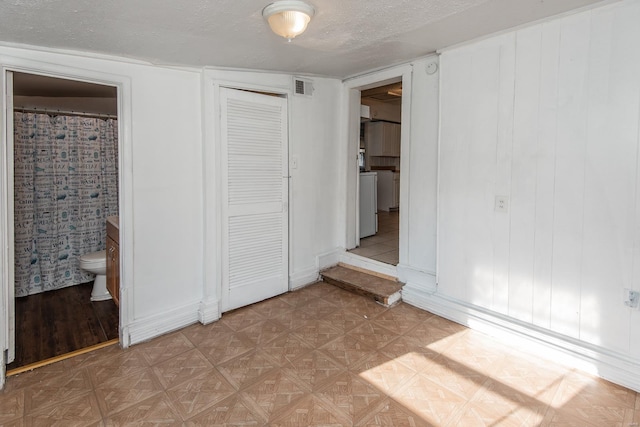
[345, 37]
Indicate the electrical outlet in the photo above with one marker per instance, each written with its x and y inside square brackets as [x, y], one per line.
[631, 298]
[294, 162]
[502, 204]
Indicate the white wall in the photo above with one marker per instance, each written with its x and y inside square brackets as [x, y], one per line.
[548, 116]
[422, 161]
[314, 184]
[162, 209]
[167, 193]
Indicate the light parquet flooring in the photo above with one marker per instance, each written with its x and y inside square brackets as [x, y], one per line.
[316, 357]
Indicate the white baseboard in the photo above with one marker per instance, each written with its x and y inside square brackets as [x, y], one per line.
[610, 365]
[3, 374]
[159, 324]
[418, 279]
[209, 311]
[329, 259]
[303, 278]
[368, 264]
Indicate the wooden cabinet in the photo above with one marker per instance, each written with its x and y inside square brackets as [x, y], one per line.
[382, 139]
[113, 259]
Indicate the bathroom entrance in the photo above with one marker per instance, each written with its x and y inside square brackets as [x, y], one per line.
[64, 184]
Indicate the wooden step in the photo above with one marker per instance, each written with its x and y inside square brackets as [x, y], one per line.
[384, 291]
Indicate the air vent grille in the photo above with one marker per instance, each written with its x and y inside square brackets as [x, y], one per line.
[303, 87]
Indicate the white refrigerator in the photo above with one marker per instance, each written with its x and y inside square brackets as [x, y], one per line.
[368, 204]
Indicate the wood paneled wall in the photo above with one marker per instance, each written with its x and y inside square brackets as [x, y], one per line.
[548, 116]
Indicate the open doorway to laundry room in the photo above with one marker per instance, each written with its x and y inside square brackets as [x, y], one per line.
[379, 179]
[65, 186]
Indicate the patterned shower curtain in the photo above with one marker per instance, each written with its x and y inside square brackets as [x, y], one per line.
[66, 184]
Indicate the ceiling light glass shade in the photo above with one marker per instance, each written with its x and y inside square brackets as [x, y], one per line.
[288, 18]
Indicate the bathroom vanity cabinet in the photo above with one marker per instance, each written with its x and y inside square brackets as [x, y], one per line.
[113, 258]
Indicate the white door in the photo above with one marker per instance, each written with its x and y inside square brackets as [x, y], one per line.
[7, 304]
[255, 197]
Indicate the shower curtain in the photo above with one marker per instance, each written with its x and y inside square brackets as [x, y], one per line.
[66, 184]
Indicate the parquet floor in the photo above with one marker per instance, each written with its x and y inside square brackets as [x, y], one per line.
[317, 356]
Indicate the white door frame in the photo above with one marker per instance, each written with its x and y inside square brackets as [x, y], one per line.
[351, 105]
[213, 80]
[8, 214]
[123, 86]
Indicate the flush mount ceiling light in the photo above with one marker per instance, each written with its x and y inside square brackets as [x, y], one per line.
[288, 18]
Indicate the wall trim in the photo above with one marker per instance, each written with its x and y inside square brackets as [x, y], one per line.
[3, 371]
[352, 88]
[153, 326]
[369, 264]
[310, 275]
[419, 279]
[610, 365]
[329, 259]
[208, 311]
[303, 278]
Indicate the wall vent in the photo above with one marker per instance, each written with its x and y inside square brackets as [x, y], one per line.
[302, 86]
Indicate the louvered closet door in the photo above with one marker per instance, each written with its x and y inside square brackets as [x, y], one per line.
[254, 149]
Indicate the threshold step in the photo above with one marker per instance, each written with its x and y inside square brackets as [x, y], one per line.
[384, 291]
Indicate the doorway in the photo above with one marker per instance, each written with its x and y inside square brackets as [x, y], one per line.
[379, 180]
[67, 120]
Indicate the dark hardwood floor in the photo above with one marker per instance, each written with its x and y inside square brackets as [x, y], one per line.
[58, 322]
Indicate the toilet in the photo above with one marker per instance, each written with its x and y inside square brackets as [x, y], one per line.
[96, 263]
